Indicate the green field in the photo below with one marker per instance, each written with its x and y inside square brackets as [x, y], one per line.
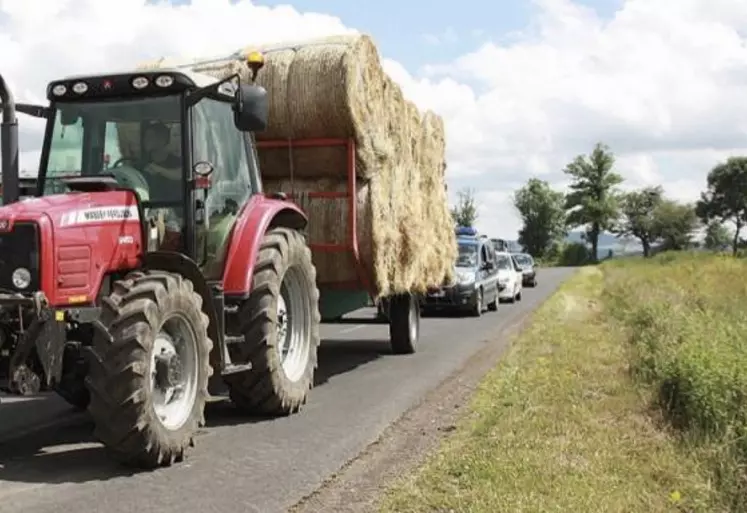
[625, 394]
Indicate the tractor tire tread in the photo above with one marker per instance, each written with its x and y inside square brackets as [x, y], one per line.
[124, 418]
[265, 390]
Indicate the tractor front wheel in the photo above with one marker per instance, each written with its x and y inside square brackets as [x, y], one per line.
[148, 375]
[280, 324]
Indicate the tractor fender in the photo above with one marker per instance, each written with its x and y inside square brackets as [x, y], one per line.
[178, 263]
[260, 214]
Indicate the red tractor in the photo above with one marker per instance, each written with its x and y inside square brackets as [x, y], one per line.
[132, 276]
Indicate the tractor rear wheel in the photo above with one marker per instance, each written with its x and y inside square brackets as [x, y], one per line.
[280, 324]
[148, 375]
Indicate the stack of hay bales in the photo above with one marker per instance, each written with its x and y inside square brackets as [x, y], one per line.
[336, 88]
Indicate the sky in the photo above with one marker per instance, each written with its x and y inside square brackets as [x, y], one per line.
[523, 85]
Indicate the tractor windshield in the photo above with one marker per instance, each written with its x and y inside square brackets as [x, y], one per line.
[137, 140]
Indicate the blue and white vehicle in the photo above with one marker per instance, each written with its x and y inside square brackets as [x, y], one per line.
[476, 286]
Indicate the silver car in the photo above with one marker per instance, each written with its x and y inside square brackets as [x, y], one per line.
[528, 270]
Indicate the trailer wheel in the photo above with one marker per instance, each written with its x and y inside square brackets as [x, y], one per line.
[148, 375]
[280, 323]
[404, 323]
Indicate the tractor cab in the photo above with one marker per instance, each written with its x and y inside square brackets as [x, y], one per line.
[170, 136]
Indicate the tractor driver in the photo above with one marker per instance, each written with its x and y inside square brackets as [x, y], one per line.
[164, 174]
[163, 167]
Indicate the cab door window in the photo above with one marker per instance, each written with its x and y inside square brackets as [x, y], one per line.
[217, 141]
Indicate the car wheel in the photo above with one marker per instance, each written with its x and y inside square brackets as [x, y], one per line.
[477, 309]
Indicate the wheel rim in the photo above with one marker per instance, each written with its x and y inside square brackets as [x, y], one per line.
[173, 372]
[412, 319]
[478, 306]
[293, 325]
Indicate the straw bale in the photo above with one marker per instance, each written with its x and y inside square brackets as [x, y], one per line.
[332, 87]
[441, 225]
[335, 88]
[329, 224]
[395, 242]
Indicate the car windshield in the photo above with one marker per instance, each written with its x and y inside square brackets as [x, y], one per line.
[503, 262]
[523, 260]
[499, 244]
[467, 256]
[138, 140]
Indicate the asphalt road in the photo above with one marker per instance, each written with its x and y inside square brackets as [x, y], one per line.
[248, 465]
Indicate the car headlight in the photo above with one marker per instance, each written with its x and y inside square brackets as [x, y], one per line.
[503, 280]
[21, 278]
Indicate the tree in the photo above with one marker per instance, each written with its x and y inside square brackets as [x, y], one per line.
[542, 211]
[675, 224]
[725, 199]
[593, 202]
[716, 236]
[465, 211]
[639, 216]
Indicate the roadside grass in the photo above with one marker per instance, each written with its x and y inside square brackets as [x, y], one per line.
[686, 321]
[562, 424]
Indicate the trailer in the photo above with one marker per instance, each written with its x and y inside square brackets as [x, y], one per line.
[339, 298]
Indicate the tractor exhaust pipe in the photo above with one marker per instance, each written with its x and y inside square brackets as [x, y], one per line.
[9, 145]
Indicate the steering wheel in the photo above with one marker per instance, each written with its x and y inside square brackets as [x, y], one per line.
[120, 162]
[133, 179]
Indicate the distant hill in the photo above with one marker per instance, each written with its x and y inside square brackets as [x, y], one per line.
[605, 239]
[607, 242]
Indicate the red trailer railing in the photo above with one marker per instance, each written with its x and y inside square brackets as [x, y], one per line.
[351, 244]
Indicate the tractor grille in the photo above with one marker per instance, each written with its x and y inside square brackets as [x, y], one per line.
[19, 248]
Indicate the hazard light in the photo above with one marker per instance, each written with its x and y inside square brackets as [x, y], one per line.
[255, 60]
[466, 231]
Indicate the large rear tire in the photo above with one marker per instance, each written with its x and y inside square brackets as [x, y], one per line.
[404, 323]
[148, 376]
[280, 324]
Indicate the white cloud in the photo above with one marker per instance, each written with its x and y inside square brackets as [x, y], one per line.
[43, 40]
[663, 86]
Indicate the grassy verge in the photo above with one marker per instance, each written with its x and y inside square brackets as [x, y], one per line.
[563, 425]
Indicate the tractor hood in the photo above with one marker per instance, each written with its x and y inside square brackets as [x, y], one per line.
[81, 237]
[74, 209]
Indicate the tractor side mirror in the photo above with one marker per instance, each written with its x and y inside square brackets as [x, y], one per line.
[251, 109]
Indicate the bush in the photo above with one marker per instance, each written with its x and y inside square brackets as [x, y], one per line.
[687, 326]
[574, 254]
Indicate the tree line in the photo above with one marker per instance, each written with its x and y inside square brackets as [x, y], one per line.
[596, 203]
